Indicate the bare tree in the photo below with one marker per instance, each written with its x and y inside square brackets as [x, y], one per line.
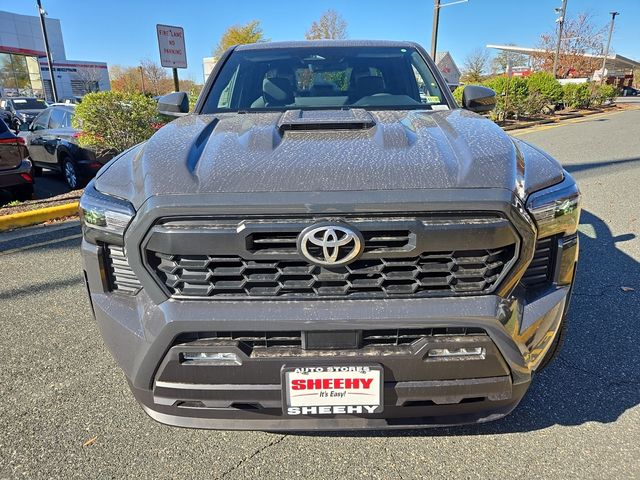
[580, 36]
[90, 76]
[154, 75]
[503, 58]
[331, 26]
[475, 66]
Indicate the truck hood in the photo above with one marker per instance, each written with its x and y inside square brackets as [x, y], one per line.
[327, 151]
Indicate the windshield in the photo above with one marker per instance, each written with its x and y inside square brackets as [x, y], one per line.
[325, 77]
[29, 104]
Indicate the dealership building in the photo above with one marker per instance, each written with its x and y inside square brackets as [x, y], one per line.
[23, 62]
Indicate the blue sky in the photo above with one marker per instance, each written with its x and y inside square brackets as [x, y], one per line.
[123, 32]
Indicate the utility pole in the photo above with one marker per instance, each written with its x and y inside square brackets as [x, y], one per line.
[606, 52]
[142, 78]
[562, 11]
[434, 28]
[436, 20]
[42, 13]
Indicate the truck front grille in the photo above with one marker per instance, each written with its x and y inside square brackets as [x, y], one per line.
[462, 272]
[121, 277]
[285, 242]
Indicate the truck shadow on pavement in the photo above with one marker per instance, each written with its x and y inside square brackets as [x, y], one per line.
[595, 378]
[595, 167]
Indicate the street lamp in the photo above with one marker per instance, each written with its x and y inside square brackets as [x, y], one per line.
[42, 13]
[436, 19]
[562, 11]
[606, 52]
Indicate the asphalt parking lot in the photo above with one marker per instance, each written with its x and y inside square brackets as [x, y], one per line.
[67, 412]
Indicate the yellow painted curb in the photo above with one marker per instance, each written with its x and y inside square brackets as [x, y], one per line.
[23, 219]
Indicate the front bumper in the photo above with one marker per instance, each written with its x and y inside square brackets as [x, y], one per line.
[145, 330]
[144, 336]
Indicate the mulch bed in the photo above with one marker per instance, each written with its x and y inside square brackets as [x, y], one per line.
[560, 115]
[68, 197]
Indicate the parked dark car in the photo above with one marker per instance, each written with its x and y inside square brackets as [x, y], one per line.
[330, 242]
[19, 110]
[53, 144]
[16, 173]
[629, 91]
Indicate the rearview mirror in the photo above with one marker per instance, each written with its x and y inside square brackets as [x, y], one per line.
[174, 104]
[478, 99]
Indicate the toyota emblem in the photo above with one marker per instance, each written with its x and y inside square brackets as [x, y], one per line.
[330, 244]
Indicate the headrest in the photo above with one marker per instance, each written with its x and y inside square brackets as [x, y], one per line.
[369, 85]
[277, 91]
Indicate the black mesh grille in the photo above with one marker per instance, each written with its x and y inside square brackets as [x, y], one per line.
[407, 336]
[121, 277]
[540, 270]
[293, 339]
[438, 273]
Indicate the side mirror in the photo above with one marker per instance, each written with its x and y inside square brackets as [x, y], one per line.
[478, 99]
[174, 104]
[24, 127]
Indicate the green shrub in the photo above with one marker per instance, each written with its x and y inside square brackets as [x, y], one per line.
[537, 103]
[576, 95]
[194, 93]
[603, 93]
[115, 121]
[511, 96]
[457, 94]
[546, 86]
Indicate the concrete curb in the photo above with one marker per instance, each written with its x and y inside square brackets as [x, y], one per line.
[23, 219]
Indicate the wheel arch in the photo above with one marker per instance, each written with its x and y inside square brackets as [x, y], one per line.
[62, 153]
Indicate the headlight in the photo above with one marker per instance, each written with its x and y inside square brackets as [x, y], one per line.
[556, 209]
[103, 216]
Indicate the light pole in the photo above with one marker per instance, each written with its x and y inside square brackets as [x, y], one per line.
[606, 52]
[436, 20]
[42, 13]
[142, 78]
[562, 11]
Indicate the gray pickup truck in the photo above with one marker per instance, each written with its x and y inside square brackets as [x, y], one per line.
[330, 242]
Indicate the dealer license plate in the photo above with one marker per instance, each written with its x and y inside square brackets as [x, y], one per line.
[332, 390]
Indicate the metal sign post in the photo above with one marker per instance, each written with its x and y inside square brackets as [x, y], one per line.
[172, 50]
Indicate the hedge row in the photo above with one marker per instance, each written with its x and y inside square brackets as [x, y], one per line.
[540, 93]
[115, 121]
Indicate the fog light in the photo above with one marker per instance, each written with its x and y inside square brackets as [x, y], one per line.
[210, 358]
[457, 352]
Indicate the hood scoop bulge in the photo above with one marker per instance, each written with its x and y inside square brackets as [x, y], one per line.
[310, 120]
